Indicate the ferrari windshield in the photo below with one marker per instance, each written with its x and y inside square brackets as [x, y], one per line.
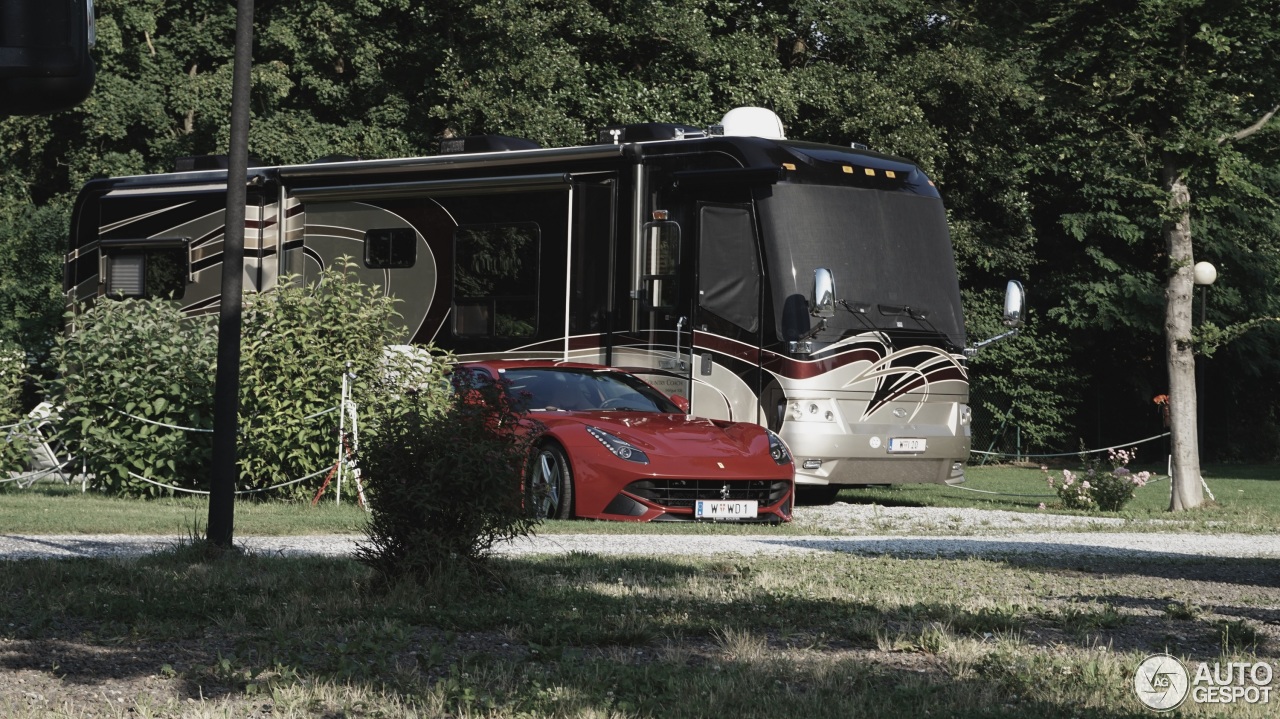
[576, 390]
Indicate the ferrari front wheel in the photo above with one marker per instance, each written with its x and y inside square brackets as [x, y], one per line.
[551, 485]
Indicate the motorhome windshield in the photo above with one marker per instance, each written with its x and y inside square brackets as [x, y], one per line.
[890, 254]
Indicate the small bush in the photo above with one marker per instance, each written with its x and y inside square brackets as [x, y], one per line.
[1099, 488]
[444, 483]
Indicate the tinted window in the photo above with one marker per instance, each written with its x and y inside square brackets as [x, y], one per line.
[160, 272]
[390, 248]
[495, 277]
[660, 272]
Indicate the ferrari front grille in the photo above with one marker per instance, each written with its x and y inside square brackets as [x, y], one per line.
[684, 492]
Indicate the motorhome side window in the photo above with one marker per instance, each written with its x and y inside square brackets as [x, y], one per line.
[495, 276]
[134, 271]
[660, 274]
[390, 248]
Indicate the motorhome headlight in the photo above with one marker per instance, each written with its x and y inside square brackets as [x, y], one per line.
[811, 410]
[620, 447]
[966, 414]
[778, 449]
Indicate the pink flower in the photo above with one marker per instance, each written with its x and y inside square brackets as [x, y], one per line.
[1084, 484]
[1041, 506]
[1067, 477]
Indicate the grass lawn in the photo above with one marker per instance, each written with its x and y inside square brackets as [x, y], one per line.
[184, 634]
[1246, 497]
[178, 634]
[1247, 500]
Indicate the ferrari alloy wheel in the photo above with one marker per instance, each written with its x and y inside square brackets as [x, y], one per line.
[552, 483]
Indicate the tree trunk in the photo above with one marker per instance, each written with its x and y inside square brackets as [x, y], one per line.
[1185, 442]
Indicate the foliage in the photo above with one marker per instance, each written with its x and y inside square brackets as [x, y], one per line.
[32, 238]
[1025, 379]
[1097, 488]
[444, 482]
[296, 344]
[13, 380]
[1046, 125]
[134, 383]
[128, 374]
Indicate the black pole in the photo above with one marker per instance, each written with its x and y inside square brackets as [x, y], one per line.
[226, 397]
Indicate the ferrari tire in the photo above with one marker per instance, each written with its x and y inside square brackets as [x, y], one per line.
[552, 483]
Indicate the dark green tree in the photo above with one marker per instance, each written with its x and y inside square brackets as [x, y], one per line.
[1160, 119]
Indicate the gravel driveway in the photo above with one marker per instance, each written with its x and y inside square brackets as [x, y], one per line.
[855, 528]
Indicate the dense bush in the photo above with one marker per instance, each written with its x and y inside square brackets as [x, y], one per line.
[296, 344]
[134, 383]
[128, 376]
[444, 483]
[13, 376]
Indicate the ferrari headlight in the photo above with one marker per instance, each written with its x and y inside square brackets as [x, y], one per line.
[778, 449]
[620, 448]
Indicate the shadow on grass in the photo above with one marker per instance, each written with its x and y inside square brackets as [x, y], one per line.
[641, 635]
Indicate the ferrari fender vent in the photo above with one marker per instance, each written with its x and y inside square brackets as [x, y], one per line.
[684, 492]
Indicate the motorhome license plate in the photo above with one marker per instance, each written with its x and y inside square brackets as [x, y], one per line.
[741, 509]
[906, 444]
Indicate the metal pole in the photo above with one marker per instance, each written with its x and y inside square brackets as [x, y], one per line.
[1200, 394]
[226, 398]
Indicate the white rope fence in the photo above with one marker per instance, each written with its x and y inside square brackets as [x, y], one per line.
[29, 430]
[243, 491]
[1072, 454]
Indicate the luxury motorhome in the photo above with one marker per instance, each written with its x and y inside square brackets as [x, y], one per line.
[808, 287]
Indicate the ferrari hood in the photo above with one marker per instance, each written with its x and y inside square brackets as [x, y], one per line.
[672, 435]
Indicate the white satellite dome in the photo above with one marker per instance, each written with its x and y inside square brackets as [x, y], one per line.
[753, 122]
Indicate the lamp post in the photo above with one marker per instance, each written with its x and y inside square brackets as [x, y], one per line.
[1204, 273]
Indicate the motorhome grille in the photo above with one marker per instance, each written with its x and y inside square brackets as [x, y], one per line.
[684, 492]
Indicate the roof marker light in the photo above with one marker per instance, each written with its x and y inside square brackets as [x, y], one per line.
[848, 170]
[870, 172]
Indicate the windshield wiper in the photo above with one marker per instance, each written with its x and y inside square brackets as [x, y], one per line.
[859, 310]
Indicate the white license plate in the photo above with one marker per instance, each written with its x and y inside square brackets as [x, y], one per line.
[743, 509]
[906, 444]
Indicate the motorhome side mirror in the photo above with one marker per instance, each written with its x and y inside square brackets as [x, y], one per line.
[1015, 304]
[823, 301]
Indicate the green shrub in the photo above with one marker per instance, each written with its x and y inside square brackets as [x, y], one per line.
[13, 377]
[134, 381]
[130, 381]
[296, 344]
[444, 483]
